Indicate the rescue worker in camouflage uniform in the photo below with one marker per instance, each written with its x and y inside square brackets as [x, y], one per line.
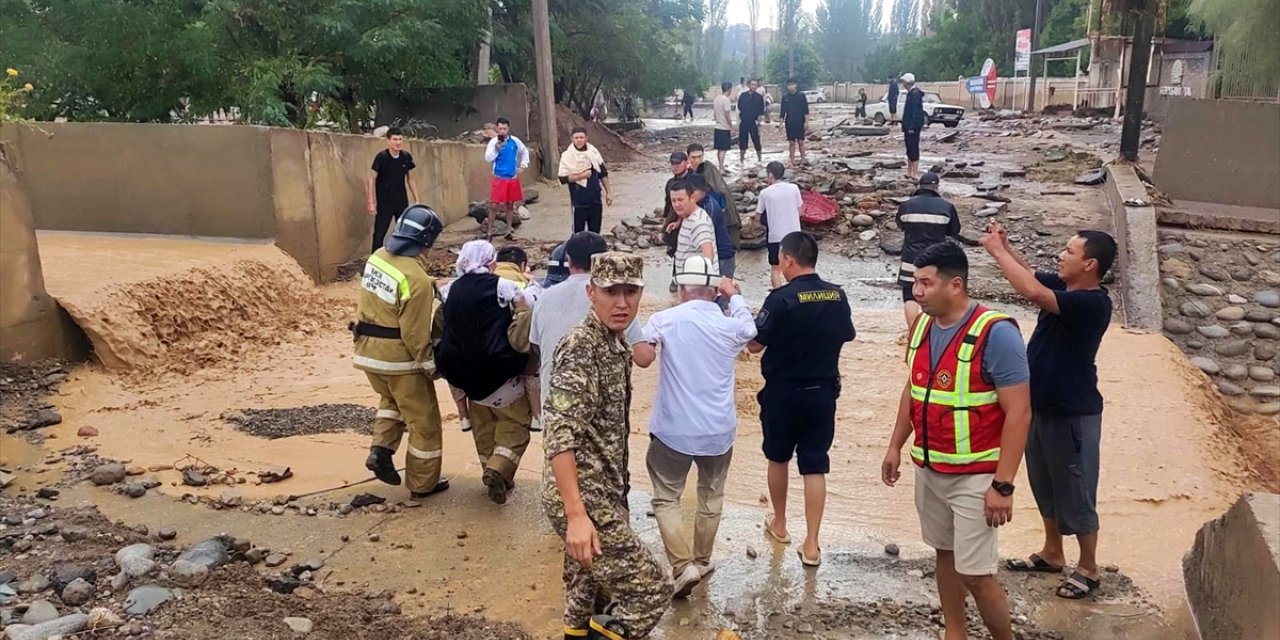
[585, 479]
[393, 332]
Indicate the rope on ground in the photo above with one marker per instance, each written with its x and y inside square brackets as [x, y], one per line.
[317, 492]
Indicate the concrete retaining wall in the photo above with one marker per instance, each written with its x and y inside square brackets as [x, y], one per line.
[1221, 151]
[32, 326]
[1232, 573]
[455, 110]
[305, 190]
[1137, 236]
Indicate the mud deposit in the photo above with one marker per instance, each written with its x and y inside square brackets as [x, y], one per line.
[301, 421]
[178, 306]
[44, 548]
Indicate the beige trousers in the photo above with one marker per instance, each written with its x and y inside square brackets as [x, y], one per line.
[409, 401]
[502, 435]
[668, 471]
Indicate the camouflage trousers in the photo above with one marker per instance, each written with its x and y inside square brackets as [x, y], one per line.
[625, 572]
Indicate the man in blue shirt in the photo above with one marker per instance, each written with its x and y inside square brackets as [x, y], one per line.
[1066, 407]
[913, 121]
[509, 158]
[725, 252]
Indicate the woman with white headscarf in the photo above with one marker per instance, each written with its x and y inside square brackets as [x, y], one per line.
[476, 355]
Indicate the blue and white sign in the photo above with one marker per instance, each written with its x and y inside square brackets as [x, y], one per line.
[976, 84]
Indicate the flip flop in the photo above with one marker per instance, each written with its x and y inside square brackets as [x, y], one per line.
[768, 530]
[807, 562]
[1033, 564]
[1077, 586]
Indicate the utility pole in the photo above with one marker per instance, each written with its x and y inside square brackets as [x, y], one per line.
[482, 54]
[1031, 60]
[1136, 93]
[546, 91]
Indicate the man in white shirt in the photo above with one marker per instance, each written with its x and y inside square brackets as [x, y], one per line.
[722, 109]
[780, 207]
[697, 235]
[562, 307]
[694, 416]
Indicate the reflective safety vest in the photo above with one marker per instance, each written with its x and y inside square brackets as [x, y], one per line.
[955, 413]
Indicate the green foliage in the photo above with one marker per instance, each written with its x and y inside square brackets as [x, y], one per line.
[807, 66]
[1066, 23]
[845, 34]
[1246, 30]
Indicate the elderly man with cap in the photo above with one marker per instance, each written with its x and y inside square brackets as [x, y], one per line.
[394, 330]
[476, 354]
[913, 122]
[695, 414]
[585, 479]
[925, 219]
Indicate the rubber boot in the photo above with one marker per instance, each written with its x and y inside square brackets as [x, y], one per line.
[606, 627]
[497, 486]
[574, 634]
[380, 463]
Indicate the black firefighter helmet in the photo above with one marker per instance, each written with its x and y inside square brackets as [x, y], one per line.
[418, 228]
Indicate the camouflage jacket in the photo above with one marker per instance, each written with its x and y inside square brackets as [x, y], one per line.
[587, 411]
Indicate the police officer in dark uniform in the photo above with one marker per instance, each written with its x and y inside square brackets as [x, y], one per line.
[801, 329]
[925, 219]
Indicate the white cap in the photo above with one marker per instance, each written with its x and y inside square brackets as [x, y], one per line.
[698, 271]
[909, 78]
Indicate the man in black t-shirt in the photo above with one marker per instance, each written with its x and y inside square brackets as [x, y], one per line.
[750, 108]
[795, 114]
[389, 185]
[801, 328]
[1066, 407]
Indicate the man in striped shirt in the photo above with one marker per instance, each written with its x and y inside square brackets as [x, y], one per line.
[697, 232]
[926, 219]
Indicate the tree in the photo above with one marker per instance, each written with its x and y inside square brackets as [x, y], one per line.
[1244, 26]
[789, 16]
[713, 37]
[753, 12]
[844, 33]
[806, 69]
[904, 18]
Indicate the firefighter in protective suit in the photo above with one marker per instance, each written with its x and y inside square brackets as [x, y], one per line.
[393, 346]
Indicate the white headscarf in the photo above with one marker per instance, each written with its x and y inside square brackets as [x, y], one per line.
[477, 256]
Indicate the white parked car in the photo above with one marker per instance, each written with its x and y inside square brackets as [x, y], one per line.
[935, 110]
[815, 95]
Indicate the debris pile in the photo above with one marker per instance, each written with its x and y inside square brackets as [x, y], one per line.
[638, 233]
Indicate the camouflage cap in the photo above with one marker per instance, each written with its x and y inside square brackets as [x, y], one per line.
[614, 267]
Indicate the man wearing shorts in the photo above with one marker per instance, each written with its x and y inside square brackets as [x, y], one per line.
[795, 113]
[750, 108]
[1066, 407]
[968, 401]
[913, 121]
[722, 109]
[925, 219]
[780, 206]
[509, 158]
[801, 328]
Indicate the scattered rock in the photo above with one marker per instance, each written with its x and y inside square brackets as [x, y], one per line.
[366, 499]
[193, 478]
[211, 553]
[134, 489]
[103, 618]
[892, 549]
[188, 574]
[277, 510]
[34, 584]
[1095, 177]
[868, 235]
[752, 553]
[1202, 289]
[48, 493]
[87, 431]
[374, 537]
[1207, 365]
[1230, 314]
[275, 560]
[255, 555]
[39, 612]
[891, 246]
[167, 533]
[863, 220]
[389, 607]
[1213, 331]
[74, 534]
[1268, 298]
[143, 600]
[301, 626]
[107, 474]
[231, 498]
[77, 592]
[58, 628]
[65, 574]
[136, 560]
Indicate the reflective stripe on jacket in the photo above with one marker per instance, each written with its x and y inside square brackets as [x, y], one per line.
[955, 413]
[396, 292]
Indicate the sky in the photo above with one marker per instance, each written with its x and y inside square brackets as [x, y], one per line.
[737, 12]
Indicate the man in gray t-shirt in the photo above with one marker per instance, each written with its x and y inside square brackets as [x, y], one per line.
[561, 307]
[1004, 358]
[722, 108]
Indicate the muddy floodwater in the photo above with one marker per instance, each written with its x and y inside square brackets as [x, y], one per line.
[1168, 464]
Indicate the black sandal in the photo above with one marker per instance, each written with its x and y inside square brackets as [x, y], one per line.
[1077, 586]
[1033, 564]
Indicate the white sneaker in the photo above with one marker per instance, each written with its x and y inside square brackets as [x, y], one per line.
[687, 580]
[706, 569]
[466, 424]
[535, 425]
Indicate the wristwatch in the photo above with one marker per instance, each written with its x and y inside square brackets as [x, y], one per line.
[1003, 488]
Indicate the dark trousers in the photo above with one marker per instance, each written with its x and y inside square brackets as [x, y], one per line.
[587, 217]
[749, 129]
[688, 110]
[381, 223]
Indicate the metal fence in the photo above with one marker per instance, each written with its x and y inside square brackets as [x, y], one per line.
[1235, 78]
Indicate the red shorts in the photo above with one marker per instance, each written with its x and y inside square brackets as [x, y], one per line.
[504, 190]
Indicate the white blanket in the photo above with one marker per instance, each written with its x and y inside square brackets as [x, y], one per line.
[574, 161]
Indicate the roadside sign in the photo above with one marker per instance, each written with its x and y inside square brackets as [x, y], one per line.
[976, 85]
[989, 72]
[1022, 51]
